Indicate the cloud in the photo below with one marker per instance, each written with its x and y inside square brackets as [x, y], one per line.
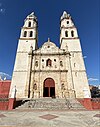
[4, 74]
[93, 79]
[2, 10]
[84, 57]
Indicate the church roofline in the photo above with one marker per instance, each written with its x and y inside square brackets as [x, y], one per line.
[65, 15]
[32, 16]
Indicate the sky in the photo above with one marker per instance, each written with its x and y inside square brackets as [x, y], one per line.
[85, 14]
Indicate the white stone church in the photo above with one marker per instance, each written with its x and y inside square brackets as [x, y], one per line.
[49, 71]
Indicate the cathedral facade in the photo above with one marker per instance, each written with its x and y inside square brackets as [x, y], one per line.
[49, 71]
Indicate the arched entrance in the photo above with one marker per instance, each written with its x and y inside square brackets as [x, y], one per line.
[49, 88]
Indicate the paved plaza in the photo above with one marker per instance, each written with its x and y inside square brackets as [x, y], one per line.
[31, 118]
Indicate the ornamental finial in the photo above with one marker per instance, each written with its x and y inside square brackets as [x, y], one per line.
[65, 15]
[48, 39]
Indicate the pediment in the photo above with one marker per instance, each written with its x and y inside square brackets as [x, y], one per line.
[49, 47]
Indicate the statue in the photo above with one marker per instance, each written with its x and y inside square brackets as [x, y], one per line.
[13, 93]
[35, 87]
[36, 63]
[62, 86]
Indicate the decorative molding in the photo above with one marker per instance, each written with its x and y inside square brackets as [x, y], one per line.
[71, 27]
[69, 38]
[22, 52]
[49, 71]
[27, 38]
[20, 71]
[46, 54]
[75, 51]
[78, 70]
[28, 27]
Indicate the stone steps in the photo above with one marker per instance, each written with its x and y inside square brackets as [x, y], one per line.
[51, 104]
[74, 104]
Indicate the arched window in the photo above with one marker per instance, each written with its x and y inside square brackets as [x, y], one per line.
[48, 62]
[31, 33]
[66, 33]
[29, 24]
[72, 33]
[25, 33]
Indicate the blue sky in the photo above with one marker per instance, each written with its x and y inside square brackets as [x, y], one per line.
[85, 14]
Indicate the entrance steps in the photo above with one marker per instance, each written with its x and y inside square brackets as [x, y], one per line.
[51, 104]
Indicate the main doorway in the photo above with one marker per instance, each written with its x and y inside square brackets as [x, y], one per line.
[49, 88]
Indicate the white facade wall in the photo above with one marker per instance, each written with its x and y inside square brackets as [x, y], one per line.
[67, 65]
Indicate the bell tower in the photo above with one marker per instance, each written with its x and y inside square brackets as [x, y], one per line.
[28, 38]
[68, 32]
[69, 41]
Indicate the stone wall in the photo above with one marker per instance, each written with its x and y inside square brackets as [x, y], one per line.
[4, 94]
[90, 104]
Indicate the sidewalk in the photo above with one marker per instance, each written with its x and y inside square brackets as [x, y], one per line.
[31, 118]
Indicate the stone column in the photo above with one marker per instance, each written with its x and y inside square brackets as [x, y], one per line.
[27, 89]
[70, 82]
[31, 85]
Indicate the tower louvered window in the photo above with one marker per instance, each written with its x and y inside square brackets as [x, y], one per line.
[25, 33]
[29, 24]
[72, 33]
[66, 33]
[31, 33]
